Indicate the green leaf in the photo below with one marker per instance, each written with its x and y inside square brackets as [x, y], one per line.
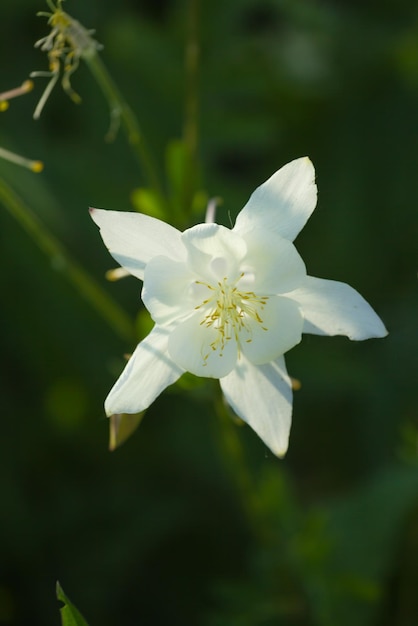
[70, 616]
[149, 202]
[177, 162]
[181, 171]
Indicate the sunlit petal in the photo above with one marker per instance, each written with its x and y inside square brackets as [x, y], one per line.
[148, 372]
[283, 203]
[213, 251]
[280, 330]
[134, 239]
[274, 262]
[334, 308]
[199, 349]
[261, 395]
[168, 291]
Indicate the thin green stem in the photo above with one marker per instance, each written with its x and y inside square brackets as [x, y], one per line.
[191, 114]
[234, 458]
[92, 292]
[120, 111]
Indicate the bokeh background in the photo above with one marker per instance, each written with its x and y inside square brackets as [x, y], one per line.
[193, 521]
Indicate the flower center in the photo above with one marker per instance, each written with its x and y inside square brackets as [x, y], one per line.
[230, 311]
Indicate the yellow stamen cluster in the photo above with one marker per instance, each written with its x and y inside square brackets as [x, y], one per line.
[230, 311]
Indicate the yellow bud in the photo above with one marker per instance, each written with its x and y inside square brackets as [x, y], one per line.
[116, 274]
[27, 86]
[296, 384]
[37, 166]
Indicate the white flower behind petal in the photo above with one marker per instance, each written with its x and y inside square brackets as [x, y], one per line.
[273, 262]
[213, 251]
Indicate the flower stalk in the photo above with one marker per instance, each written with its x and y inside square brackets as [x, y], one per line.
[191, 116]
[120, 112]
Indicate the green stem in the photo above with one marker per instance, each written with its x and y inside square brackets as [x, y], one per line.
[235, 460]
[191, 114]
[92, 292]
[119, 110]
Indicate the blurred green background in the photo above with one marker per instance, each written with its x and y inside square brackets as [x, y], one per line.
[181, 525]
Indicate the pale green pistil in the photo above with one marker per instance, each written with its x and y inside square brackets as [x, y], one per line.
[230, 311]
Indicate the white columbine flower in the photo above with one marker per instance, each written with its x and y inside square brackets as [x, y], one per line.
[228, 303]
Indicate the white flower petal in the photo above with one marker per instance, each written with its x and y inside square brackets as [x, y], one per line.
[284, 322]
[213, 251]
[283, 203]
[133, 238]
[261, 395]
[148, 372]
[190, 347]
[168, 291]
[333, 308]
[274, 262]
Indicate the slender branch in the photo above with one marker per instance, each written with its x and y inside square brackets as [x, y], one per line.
[191, 114]
[234, 458]
[92, 292]
[120, 111]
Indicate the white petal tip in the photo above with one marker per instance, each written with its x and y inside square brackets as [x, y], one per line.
[378, 332]
[94, 214]
[283, 203]
[306, 161]
[116, 406]
[109, 412]
[377, 329]
[280, 452]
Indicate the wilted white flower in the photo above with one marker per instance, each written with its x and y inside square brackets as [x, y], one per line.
[65, 45]
[228, 303]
